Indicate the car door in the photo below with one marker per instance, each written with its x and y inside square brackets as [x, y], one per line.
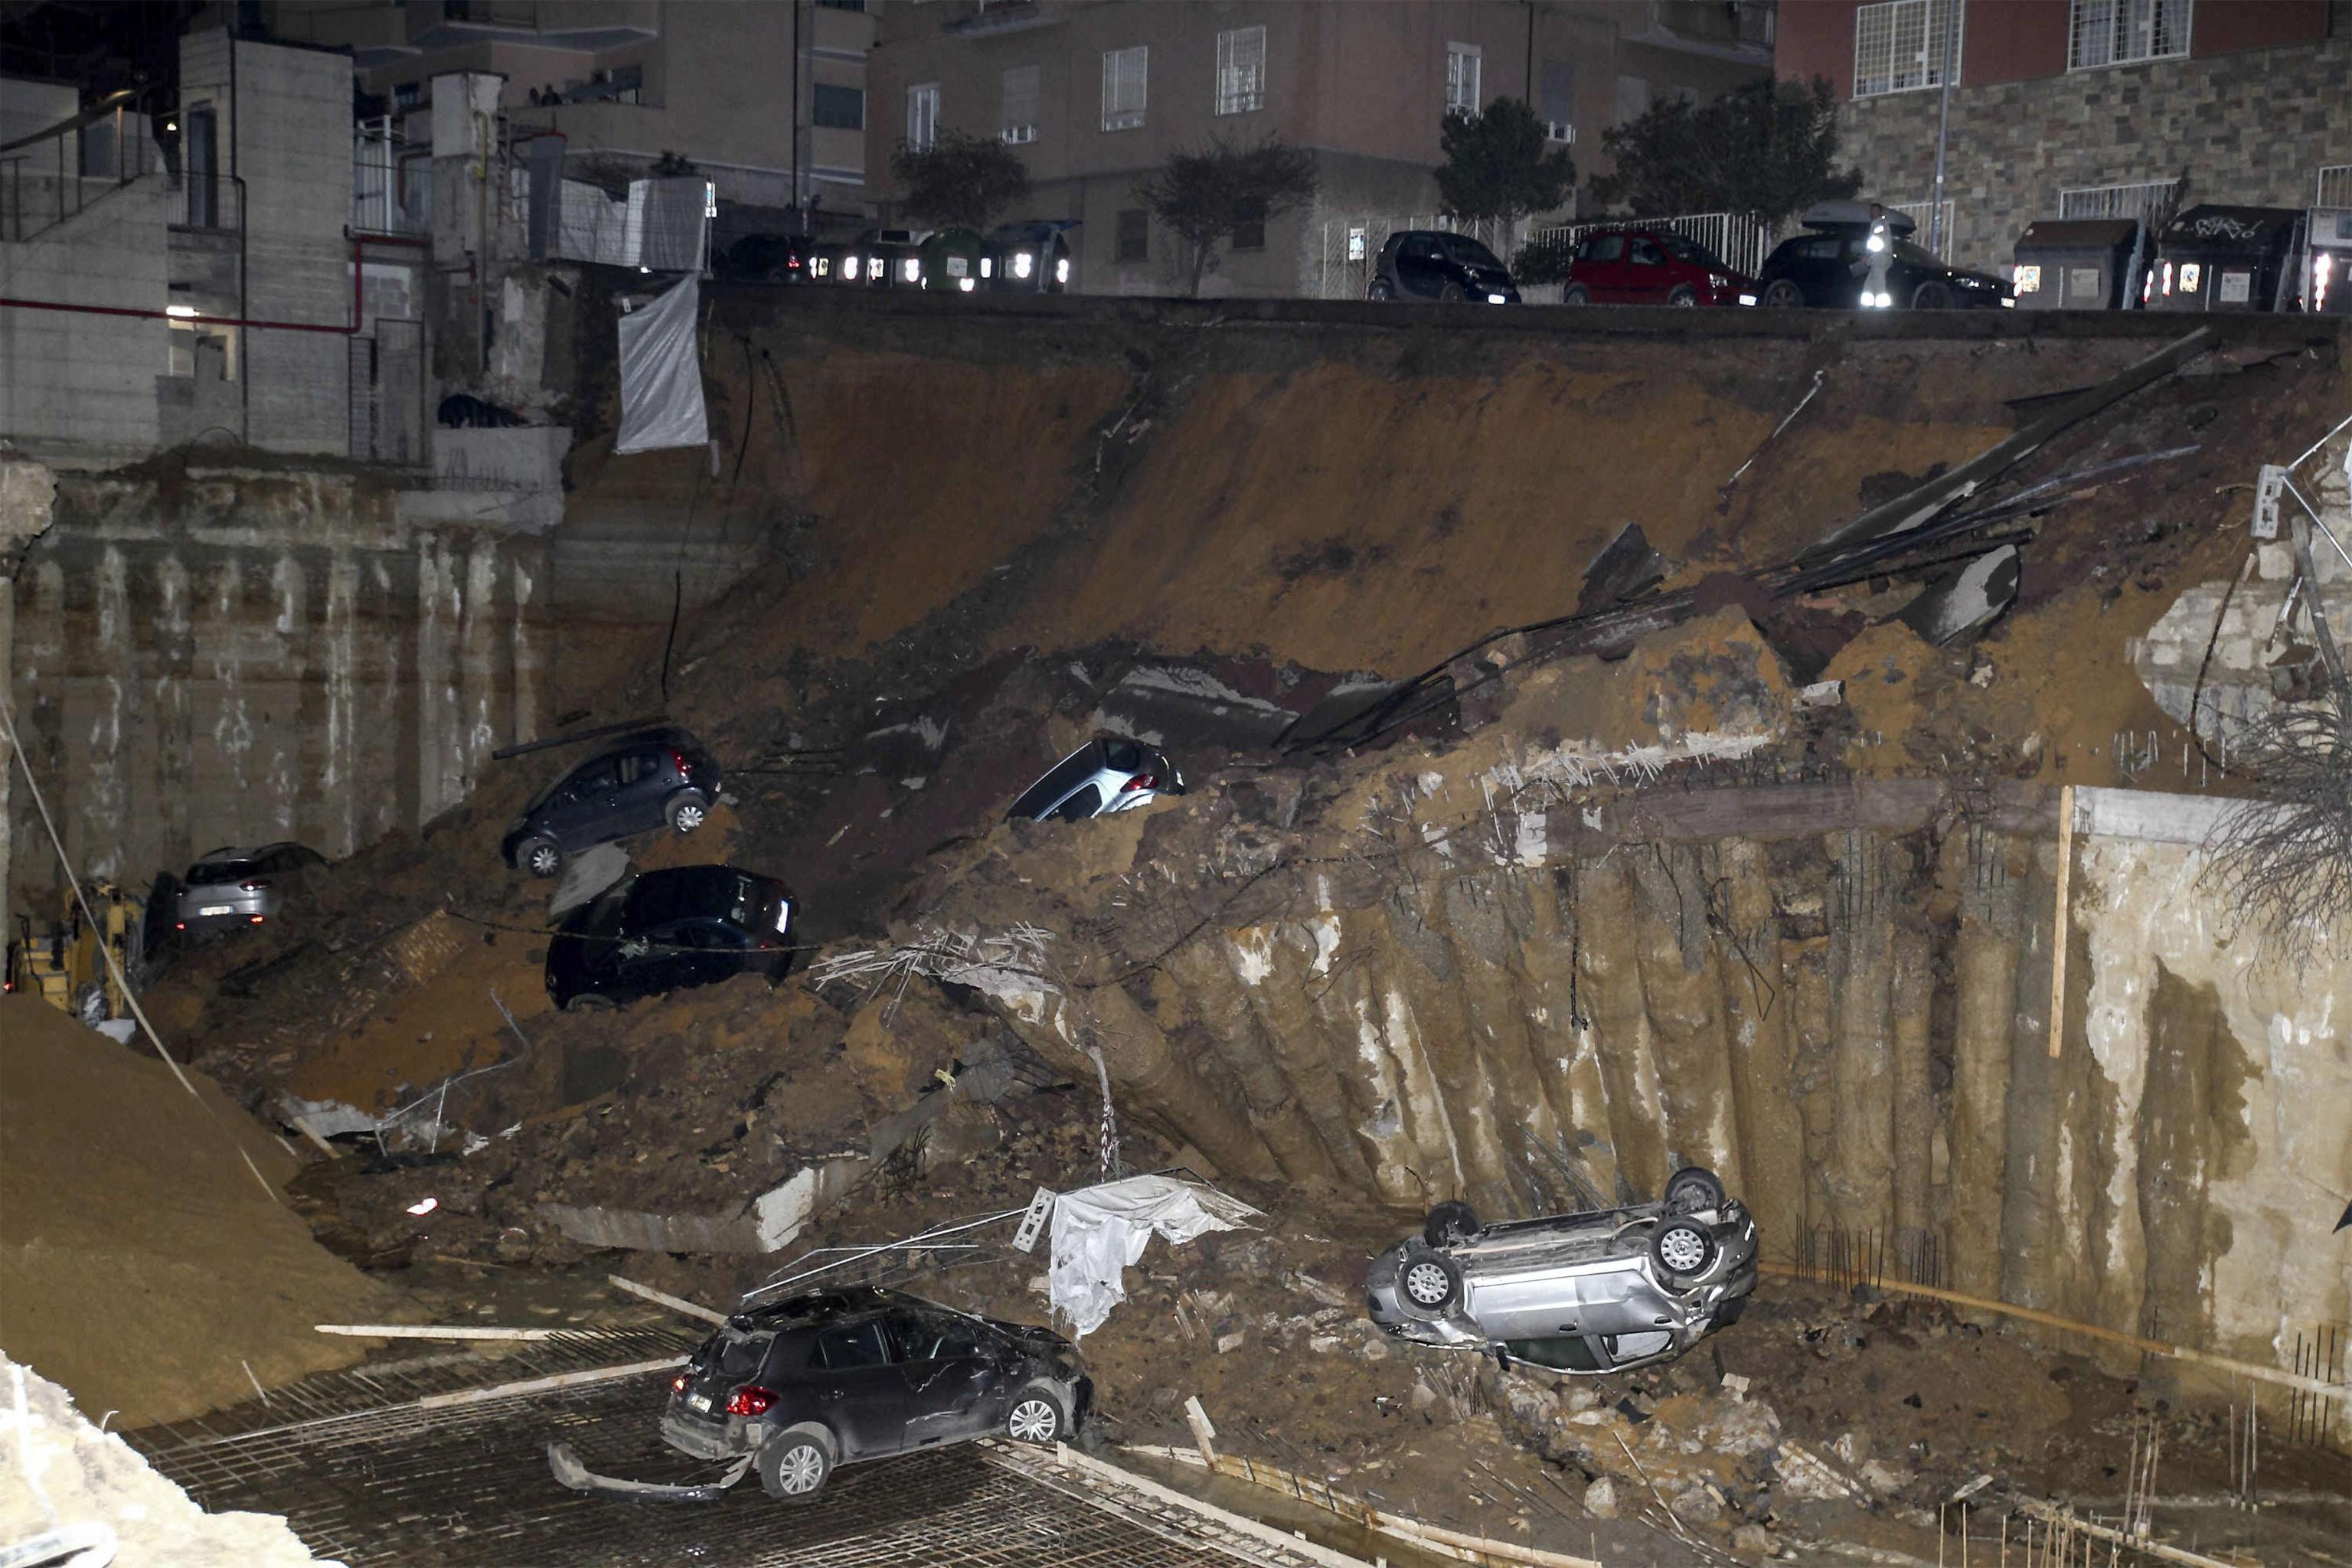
[852, 1371]
[949, 1378]
[641, 787]
[1521, 1302]
[1604, 272]
[1646, 278]
[1420, 268]
[587, 804]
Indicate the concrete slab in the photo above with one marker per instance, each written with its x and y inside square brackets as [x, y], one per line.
[585, 875]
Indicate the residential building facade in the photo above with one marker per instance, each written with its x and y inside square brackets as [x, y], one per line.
[1095, 94]
[2081, 108]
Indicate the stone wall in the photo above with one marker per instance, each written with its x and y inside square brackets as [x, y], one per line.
[2252, 129]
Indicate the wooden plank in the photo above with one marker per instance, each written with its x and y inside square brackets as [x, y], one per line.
[432, 1332]
[2061, 936]
[662, 1298]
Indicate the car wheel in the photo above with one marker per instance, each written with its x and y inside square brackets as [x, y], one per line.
[1036, 1417]
[591, 1001]
[686, 812]
[90, 1006]
[1450, 1224]
[1380, 291]
[1576, 294]
[1692, 1188]
[1931, 296]
[1783, 294]
[794, 1467]
[1684, 297]
[1429, 1283]
[1451, 294]
[541, 857]
[1682, 1250]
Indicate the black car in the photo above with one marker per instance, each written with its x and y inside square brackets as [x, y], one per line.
[664, 931]
[1429, 264]
[769, 259]
[1826, 270]
[834, 1377]
[649, 780]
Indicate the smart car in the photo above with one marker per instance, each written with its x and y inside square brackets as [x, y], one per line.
[667, 929]
[798, 1387]
[1602, 1292]
[1107, 774]
[637, 783]
[1430, 264]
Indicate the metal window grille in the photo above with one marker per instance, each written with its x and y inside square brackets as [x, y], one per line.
[1126, 75]
[922, 116]
[2335, 186]
[1018, 122]
[1462, 62]
[1899, 44]
[2120, 32]
[1241, 70]
[2132, 200]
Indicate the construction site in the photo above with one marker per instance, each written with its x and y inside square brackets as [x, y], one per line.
[1891, 764]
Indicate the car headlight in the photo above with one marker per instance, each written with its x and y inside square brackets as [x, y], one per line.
[1022, 262]
[1062, 270]
[1718, 280]
[849, 268]
[911, 269]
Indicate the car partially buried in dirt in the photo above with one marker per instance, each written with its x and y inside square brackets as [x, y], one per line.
[1602, 1292]
[667, 929]
[1107, 774]
[796, 1388]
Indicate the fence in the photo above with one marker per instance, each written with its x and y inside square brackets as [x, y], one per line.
[1351, 249]
[2132, 201]
[392, 190]
[44, 183]
[1929, 234]
[1739, 241]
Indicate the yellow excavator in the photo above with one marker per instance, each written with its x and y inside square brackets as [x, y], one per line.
[66, 965]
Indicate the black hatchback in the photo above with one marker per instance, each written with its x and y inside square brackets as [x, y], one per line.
[652, 779]
[1430, 264]
[1825, 269]
[664, 931]
[836, 1376]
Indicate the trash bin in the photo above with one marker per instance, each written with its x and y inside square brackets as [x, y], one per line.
[2075, 264]
[2327, 276]
[2226, 258]
[1031, 257]
[950, 260]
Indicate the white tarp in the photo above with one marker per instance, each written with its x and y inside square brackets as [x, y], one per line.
[661, 373]
[1099, 1231]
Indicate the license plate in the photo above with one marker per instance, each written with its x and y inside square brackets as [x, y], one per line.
[700, 1402]
[216, 909]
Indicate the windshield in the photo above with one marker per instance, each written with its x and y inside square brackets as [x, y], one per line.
[205, 871]
[1685, 249]
[1471, 253]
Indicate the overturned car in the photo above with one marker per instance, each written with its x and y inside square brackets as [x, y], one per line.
[1596, 1292]
[793, 1388]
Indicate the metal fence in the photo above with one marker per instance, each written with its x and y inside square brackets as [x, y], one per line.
[1930, 235]
[2130, 201]
[1351, 249]
[1739, 241]
[392, 188]
[2335, 186]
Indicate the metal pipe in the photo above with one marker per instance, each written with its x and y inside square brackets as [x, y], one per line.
[1936, 236]
[358, 247]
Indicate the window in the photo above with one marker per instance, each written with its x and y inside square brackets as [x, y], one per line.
[1556, 100]
[1250, 236]
[841, 5]
[1134, 236]
[844, 1349]
[839, 108]
[922, 116]
[1901, 45]
[1241, 70]
[1125, 74]
[1462, 78]
[1604, 248]
[1648, 254]
[1019, 121]
[2119, 32]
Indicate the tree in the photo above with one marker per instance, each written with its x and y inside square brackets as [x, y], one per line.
[960, 181]
[1499, 166]
[1208, 196]
[1768, 149]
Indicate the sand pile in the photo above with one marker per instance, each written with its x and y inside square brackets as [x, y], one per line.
[143, 1264]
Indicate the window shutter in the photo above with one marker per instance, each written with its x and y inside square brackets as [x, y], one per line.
[1241, 70]
[1020, 118]
[1125, 74]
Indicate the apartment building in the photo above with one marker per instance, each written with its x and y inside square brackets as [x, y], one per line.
[2082, 108]
[1094, 94]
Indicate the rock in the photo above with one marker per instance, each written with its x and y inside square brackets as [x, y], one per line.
[1697, 1503]
[1323, 1345]
[1232, 1342]
[1375, 1350]
[1601, 1498]
[1851, 1449]
[1593, 1417]
[1753, 1538]
[1735, 1386]
[1884, 1478]
[1580, 1398]
[1424, 1397]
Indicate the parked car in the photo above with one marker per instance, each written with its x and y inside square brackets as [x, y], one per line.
[666, 931]
[1030, 258]
[770, 259]
[884, 258]
[228, 887]
[797, 1388]
[1429, 264]
[1825, 269]
[1649, 267]
[647, 780]
[1595, 1292]
[1105, 775]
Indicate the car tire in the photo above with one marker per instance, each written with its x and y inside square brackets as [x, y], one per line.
[1932, 295]
[539, 857]
[590, 1002]
[1682, 1250]
[1429, 1283]
[686, 811]
[1576, 294]
[1038, 1414]
[1684, 297]
[794, 1466]
[1692, 1188]
[1379, 292]
[1783, 294]
[1451, 294]
[1450, 1224]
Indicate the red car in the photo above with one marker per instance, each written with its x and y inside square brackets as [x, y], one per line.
[1648, 267]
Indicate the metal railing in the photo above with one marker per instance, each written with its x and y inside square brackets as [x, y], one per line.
[2133, 200]
[391, 190]
[46, 183]
[1738, 240]
[2335, 186]
[1930, 235]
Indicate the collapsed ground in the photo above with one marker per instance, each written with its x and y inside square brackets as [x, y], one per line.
[877, 716]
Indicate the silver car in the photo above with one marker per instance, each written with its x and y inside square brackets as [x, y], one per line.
[232, 888]
[1105, 775]
[1598, 1293]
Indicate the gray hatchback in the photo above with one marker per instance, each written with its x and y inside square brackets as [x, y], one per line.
[1596, 1292]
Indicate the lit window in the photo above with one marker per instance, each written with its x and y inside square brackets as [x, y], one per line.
[922, 116]
[1462, 78]
[2119, 32]
[1901, 45]
[1126, 74]
[1241, 70]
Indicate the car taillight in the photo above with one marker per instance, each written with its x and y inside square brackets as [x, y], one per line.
[1140, 781]
[256, 885]
[678, 759]
[749, 1400]
[256, 919]
[679, 1382]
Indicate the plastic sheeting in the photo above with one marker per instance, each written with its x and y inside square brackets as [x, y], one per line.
[1099, 1231]
[661, 373]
